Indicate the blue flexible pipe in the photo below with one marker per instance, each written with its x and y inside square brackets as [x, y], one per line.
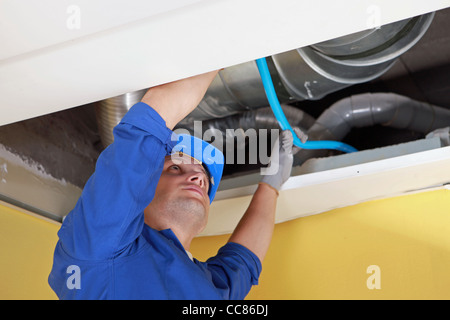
[284, 124]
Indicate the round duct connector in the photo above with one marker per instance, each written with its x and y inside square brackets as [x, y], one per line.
[109, 112]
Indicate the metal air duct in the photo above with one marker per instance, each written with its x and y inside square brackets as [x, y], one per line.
[109, 112]
[308, 73]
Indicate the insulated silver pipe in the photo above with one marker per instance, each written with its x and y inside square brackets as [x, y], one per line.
[262, 118]
[109, 112]
[235, 126]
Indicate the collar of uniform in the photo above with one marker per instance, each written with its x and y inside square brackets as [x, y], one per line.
[168, 233]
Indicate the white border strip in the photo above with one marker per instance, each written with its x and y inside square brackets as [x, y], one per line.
[319, 192]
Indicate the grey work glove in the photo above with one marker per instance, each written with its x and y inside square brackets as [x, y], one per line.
[282, 154]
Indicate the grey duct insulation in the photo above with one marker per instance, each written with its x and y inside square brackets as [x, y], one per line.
[308, 73]
[369, 109]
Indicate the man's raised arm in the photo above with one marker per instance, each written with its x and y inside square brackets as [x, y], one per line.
[255, 228]
[175, 100]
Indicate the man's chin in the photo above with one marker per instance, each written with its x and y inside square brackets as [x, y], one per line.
[190, 205]
[195, 204]
[192, 196]
[189, 211]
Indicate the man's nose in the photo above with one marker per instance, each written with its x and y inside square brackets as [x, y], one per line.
[197, 178]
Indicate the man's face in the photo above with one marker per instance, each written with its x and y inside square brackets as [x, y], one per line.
[185, 175]
[181, 195]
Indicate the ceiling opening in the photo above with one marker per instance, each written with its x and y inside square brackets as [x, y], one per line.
[66, 144]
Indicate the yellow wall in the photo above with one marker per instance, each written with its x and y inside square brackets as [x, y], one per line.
[323, 256]
[326, 256]
[26, 255]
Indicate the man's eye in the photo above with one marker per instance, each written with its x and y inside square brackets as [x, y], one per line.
[174, 167]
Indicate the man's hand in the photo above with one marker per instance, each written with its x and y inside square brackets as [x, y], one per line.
[175, 100]
[283, 151]
[255, 228]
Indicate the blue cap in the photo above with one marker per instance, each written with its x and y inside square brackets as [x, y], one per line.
[209, 156]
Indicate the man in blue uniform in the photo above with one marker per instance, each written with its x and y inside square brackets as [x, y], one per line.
[128, 236]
